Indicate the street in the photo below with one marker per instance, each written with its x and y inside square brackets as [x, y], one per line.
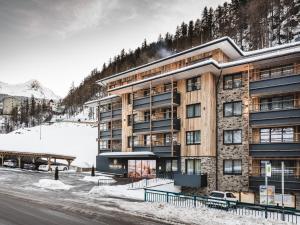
[22, 204]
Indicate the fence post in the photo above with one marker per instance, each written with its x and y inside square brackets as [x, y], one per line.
[145, 195]
[195, 203]
[266, 212]
[167, 197]
[283, 217]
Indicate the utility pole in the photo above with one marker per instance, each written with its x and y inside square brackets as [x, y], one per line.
[282, 189]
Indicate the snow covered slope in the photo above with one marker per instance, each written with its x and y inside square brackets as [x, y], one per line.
[27, 89]
[64, 138]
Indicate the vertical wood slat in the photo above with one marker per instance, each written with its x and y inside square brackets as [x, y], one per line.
[150, 122]
[111, 117]
[172, 119]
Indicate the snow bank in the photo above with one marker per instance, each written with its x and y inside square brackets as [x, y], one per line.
[128, 191]
[187, 215]
[52, 184]
[72, 139]
[96, 178]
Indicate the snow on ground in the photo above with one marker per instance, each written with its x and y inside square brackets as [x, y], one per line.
[82, 116]
[188, 215]
[72, 139]
[126, 191]
[52, 184]
[95, 179]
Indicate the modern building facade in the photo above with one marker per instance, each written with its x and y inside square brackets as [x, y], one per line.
[211, 117]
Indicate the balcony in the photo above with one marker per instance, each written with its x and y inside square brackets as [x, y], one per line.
[109, 115]
[160, 125]
[115, 134]
[291, 178]
[161, 150]
[275, 81]
[275, 113]
[275, 150]
[190, 180]
[158, 100]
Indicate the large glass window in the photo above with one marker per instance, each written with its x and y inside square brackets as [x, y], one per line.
[193, 137]
[276, 135]
[233, 109]
[232, 81]
[232, 166]
[232, 136]
[193, 110]
[193, 166]
[193, 84]
[129, 141]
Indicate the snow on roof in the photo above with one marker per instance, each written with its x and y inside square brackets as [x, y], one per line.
[67, 138]
[94, 102]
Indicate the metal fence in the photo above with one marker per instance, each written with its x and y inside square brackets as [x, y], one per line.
[239, 208]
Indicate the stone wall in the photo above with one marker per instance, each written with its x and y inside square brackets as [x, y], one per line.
[236, 151]
[208, 166]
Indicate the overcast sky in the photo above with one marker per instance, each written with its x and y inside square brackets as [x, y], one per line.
[61, 41]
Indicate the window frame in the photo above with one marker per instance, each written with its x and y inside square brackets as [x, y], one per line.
[232, 137]
[233, 103]
[193, 132]
[193, 161]
[233, 77]
[232, 167]
[193, 86]
[193, 110]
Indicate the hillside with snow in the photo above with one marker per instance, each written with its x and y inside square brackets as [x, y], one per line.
[27, 89]
[64, 138]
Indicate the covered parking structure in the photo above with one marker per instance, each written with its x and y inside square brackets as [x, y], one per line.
[32, 157]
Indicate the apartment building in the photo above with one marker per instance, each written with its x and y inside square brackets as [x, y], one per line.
[211, 117]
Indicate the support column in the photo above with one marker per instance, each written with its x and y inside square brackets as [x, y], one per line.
[69, 163]
[49, 163]
[19, 161]
[2, 160]
[172, 117]
[132, 142]
[150, 119]
[99, 121]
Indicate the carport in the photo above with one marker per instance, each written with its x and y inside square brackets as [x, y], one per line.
[4, 154]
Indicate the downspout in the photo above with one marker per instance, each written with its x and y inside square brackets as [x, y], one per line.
[217, 186]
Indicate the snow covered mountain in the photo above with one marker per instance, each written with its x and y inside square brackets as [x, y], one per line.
[27, 89]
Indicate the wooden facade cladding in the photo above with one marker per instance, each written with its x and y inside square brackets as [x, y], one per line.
[206, 123]
[216, 54]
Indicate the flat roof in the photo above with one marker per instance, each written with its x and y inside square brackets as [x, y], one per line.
[35, 154]
[128, 154]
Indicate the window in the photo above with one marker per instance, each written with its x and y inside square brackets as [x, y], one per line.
[129, 98]
[193, 137]
[193, 110]
[232, 167]
[129, 141]
[171, 165]
[193, 84]
[232, 109]
[147, 140]
[232, 81]
[193, 166]
[146, 116]
[103, 126]
[129, 121]
[276, 135]
[232, 136]
[103, 144]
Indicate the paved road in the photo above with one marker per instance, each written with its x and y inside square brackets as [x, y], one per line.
[18, 211]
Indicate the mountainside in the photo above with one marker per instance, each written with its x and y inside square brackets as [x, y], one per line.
[27, 89]
[252, 24]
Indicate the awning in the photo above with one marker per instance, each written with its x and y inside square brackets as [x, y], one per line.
[127, 155]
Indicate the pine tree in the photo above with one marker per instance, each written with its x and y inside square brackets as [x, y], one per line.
[32, 106]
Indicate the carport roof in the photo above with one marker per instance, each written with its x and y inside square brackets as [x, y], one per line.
[35, 154]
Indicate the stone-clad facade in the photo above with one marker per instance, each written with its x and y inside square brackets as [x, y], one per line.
[233, 151]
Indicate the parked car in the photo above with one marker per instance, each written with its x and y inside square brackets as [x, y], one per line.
[29, 166]
[12, 163]
[222, 199]
[52, 167]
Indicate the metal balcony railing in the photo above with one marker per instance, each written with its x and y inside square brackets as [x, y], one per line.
[271, 73]
[289, 172]
[266, 138]
[275, 105]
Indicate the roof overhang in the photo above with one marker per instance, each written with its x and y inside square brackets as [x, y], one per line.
[183, 73]
[225, 44]
[145, 154]
[104, 100]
